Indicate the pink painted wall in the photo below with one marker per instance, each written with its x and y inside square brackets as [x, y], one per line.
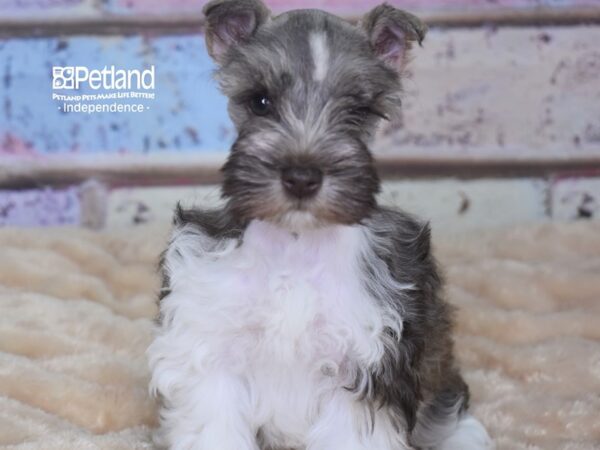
[40, 207]
[344, 7]
[23, 8]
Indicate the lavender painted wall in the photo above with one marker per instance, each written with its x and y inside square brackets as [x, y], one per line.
[45, 207]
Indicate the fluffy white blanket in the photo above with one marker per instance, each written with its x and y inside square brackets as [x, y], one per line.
[76, 311]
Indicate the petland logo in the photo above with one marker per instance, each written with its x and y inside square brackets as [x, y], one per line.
[73, 77]
[103, 90]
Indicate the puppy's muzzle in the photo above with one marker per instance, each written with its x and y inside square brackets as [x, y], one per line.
[301, 182]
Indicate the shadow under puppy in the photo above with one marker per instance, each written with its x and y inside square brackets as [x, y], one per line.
[302, 314]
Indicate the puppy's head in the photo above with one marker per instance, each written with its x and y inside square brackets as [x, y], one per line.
[306, 90]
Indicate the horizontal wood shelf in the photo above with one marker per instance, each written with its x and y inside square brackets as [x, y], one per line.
[144, 172]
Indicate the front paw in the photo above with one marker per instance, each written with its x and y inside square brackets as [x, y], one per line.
[208, 439]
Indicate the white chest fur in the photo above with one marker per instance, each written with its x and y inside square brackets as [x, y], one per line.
[287, 314]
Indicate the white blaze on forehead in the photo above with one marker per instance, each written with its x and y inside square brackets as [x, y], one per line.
[320, 55]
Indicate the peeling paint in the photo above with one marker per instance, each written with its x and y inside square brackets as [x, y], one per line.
[40, 207]
[518, 92]
[576, 198]
[508, 92]
[11, 145]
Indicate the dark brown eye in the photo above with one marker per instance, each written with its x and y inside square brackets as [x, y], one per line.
[260, 104]
[365, 112]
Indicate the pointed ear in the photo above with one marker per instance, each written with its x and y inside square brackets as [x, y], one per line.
[391, 32]
[230, 22]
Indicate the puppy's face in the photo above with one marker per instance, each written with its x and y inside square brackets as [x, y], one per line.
[306, 91]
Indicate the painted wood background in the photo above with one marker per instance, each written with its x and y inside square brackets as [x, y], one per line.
[108, 9]
[500, 92]
[500, 86]
[527, 91]
[188, 113]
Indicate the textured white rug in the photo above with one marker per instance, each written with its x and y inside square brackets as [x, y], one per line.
[76, 310]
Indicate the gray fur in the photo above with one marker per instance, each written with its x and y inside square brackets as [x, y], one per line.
[341, 113]
[418, 378]
[328, 124]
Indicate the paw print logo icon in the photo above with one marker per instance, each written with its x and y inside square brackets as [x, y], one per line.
[63, 77]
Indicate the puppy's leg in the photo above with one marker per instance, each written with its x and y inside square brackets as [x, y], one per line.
[444, 423]
[468, 435]
[345, 423]
[208, 413]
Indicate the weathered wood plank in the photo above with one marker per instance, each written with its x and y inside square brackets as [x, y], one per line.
[448, 204]
[29, 8]
[508, 93]
[61, 17]
[348, 8]
[40, 207]
[46, 12]
[575, 198]
[188, 113]
[190, 169]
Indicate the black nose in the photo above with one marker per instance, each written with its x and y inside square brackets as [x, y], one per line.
[301, 182]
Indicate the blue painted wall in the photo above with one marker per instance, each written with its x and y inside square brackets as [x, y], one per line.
[188, 114]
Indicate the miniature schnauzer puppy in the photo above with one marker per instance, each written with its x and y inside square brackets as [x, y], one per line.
[301, 314]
